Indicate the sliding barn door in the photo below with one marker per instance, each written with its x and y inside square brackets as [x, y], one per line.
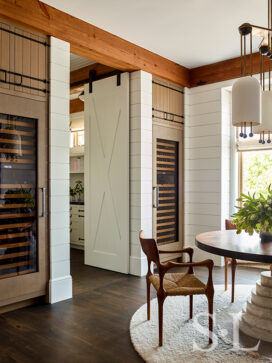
[107, 174]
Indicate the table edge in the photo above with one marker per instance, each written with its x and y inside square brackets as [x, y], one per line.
[234, 254]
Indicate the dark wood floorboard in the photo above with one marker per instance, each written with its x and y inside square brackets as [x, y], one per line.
[91, 327]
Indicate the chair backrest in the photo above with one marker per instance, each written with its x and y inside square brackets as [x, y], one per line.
[149, 246]
[229, 224]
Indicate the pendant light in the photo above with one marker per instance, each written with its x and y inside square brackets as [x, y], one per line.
[251, 102]
[266, 126]
[246, 91]
[265, 129]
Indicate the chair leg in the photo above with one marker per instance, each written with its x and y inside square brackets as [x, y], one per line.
[148, 283]
[233, 270]
[191, 306]
[160, 305]
[226, 272]
[210, 307]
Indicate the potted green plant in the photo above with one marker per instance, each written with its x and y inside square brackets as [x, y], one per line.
[73, 193]
[255, 215]
[79, 188]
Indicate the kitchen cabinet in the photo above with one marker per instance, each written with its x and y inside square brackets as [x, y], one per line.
[77, 225]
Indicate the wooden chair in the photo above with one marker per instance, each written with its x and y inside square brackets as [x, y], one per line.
[174, 284]
[233, 262]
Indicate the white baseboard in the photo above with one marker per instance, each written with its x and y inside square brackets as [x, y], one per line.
[60, 289]
[76, 246]
[137, 266]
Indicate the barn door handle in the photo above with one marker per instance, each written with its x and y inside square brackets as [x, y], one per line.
[157, 197]
[43, 201]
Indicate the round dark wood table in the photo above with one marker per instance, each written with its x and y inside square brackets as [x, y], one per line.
[256, 318]
[239, 246]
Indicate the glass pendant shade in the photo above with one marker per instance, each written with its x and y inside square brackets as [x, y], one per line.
[266, 126]
[246, 101]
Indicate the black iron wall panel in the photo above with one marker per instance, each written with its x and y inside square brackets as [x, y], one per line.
[23, 61]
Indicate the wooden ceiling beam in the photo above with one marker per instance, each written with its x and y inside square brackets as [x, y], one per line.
[223, 71]
[94, 43]
[91, 42]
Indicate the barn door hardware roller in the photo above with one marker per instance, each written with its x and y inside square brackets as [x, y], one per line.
[92, 78]
[119, 78]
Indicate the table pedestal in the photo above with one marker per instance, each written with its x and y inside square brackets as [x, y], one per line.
[256, 319]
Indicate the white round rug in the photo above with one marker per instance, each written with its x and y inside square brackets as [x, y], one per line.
[183, 340]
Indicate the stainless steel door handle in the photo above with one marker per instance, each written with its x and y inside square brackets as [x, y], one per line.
[157, 189]
[43, 201]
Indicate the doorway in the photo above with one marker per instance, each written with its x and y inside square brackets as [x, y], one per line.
[99, 166]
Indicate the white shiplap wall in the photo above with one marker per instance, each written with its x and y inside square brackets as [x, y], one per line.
[207, 168]
[226, 134]
[60, 284]
[140, 166]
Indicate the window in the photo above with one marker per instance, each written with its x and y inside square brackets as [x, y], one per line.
[255, 171]
[76, 130]
[77, 138]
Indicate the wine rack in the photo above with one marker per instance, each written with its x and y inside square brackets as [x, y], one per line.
[167, 183]
[18, 195]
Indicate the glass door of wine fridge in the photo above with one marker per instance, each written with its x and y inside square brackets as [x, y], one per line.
[168, 189]
[18, 206]
[23, 199]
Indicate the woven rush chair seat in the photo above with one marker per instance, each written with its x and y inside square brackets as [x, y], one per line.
[173, 284]
[179, 284]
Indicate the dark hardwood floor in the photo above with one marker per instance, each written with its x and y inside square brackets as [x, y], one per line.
[91, 327]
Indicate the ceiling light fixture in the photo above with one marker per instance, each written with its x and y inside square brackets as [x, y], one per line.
[251, 101]
[246, 91]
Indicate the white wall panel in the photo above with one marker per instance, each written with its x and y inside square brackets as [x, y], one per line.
[60, 284]
[140, 166]
[207, 167]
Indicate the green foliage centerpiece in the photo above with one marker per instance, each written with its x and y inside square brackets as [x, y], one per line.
[255, 214]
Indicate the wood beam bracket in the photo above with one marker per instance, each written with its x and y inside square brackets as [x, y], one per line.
[92, 78]
[119, 79]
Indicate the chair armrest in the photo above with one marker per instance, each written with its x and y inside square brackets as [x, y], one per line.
[207, 263]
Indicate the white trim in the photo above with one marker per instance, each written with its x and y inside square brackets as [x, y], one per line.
[60, 284]
[60, 289]
[137, 266]
[140, 167]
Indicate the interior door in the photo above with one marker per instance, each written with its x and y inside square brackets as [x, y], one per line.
[106, 166]
[23, 199]
[168, 188]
